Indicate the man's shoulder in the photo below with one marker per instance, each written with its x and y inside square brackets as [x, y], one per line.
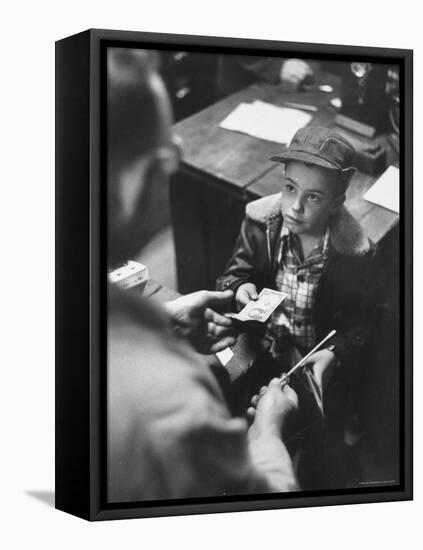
[264, 209]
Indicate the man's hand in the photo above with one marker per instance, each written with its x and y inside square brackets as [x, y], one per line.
[245, 294]
[322, 364]
[268, 433]
[192, 318]
[294, 71]
[272, 410]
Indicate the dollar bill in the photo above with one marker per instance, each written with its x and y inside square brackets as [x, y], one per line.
[261, 309]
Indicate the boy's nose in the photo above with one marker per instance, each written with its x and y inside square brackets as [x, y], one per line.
[298, 206]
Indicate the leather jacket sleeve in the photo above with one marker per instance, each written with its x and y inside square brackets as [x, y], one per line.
[241, 268]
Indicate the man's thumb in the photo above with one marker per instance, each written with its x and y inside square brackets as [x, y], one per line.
[217, 298]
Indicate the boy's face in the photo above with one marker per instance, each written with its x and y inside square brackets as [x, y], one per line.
[310, 194]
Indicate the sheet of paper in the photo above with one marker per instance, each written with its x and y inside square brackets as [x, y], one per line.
[385, 190]
[266, 121]
[225, 356]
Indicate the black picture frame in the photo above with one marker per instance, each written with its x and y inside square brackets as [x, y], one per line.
[81, 274]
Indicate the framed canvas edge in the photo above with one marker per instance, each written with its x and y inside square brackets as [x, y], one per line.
[222, 43]
[97, 511]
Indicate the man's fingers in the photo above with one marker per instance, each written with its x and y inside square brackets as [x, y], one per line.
[221, 336]
[251, 413]
[216, 299]
[274, 386]
[217, 331]
[222, 344]
[262, 391]
[254, 400]
[216, 318]
[291, 394]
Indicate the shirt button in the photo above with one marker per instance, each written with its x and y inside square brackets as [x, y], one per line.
[300, 278]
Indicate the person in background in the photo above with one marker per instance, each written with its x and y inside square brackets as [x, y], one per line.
[238, 71]
[169, 432]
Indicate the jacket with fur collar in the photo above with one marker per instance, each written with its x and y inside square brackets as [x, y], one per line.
[347, 295]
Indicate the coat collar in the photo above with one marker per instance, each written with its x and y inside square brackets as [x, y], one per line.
[346, 234]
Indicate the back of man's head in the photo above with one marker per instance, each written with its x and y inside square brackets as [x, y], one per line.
[132, 112]
[138, 122]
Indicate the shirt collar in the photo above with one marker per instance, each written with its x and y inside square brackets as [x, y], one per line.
[321, 249]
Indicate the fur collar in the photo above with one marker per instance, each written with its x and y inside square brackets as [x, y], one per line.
[346, 234]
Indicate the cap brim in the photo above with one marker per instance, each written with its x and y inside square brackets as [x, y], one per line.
[302, 156]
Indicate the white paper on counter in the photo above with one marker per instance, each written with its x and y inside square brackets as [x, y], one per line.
[266, 121]
[385, 190]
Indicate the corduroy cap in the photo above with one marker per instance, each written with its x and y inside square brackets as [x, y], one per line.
[320, 146]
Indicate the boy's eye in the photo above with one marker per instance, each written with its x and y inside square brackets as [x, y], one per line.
[314, 198]
[290, 188]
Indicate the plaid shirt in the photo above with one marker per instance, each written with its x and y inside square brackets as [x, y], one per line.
[291, 324]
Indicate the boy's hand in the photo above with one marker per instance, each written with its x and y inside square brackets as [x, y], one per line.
[322, 364]
[245, 294]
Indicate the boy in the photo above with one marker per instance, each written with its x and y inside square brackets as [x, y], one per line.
[304, 243]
